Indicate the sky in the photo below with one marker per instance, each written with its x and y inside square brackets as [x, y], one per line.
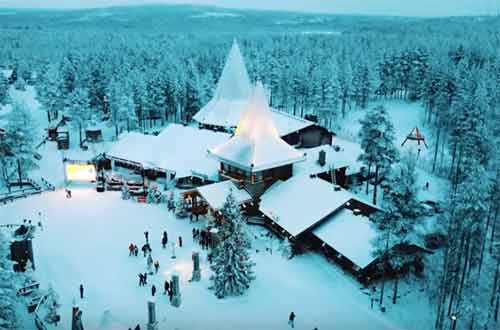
[368, 7]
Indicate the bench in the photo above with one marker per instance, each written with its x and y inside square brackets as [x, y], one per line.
[28, 289]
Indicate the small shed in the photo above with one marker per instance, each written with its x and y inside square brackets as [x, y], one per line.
[93, 134]
[62, 138]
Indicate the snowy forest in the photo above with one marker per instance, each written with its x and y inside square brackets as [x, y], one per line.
[140, 73]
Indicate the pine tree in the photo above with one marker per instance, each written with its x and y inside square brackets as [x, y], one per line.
[232, 267]
[377, 141]
[20, 137]
[4, 90]
[78, 108]
[49, 91]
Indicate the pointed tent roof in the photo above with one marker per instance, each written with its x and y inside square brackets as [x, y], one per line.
[256, 145]
[415, 135]
[231, 94]
[234, 83]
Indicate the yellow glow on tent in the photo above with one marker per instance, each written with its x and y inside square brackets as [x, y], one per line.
[257, 121]
[80, 172]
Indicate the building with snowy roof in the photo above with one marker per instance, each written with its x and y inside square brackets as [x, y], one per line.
[256, 156]
[178, 151]
[229, 102]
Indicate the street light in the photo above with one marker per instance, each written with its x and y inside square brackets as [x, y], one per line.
[453, 321]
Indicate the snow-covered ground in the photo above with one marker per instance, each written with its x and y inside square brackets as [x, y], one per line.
[85, 240]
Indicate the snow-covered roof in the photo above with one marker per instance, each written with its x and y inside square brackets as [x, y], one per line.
[177, 148]
[232, 96]
[256, 145]
[300, 202]
[134, 147]
[215, 194]
[340, 154]
[349, 234]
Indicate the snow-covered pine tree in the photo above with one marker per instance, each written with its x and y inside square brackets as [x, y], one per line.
[403, 188]
[9, 302]
[232, 267]
[386, 221]
[377, 141]
[127, 111]
[20, 137]
[78, 108]
[49, 91]
[4, 90]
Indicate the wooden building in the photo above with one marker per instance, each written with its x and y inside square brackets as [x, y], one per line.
[256, 157]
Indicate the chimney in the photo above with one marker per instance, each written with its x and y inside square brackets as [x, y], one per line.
[322, 158]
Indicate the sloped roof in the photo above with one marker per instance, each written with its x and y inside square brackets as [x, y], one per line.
[341, 153]
[134, 147]
[234, 83]
[232, 96]
[256, 145]
[215, 194]
[300, 202]
[177, 148]
[349, 234]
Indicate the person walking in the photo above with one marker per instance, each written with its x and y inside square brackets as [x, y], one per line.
[164, 240]
[166, 286]
[136, 250]
[81, 291]
[145, 276]
[141, 279]
[153, 290]
[291, 319]
[180, 241]
[170, 294]
[131, 249]
[157, 266]
[146, 235]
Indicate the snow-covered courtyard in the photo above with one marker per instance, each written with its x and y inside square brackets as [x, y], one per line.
[85, 241]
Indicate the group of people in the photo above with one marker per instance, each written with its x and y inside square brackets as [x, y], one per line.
[133, 250]
[203, 237]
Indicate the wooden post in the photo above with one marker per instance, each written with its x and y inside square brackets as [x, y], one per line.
[152, 323]
[176, 293]
[196, 267]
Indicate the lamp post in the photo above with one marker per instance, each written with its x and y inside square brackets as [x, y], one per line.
[453, 321]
